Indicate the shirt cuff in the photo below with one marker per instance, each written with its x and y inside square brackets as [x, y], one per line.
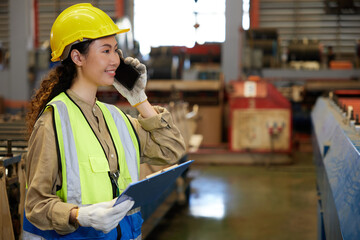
[161, 120]
[60, 216]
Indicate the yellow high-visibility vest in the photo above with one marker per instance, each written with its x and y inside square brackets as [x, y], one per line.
[85, 168]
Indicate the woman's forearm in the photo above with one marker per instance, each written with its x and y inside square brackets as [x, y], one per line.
[146, 109]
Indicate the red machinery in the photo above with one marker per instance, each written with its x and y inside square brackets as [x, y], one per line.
[260, 118]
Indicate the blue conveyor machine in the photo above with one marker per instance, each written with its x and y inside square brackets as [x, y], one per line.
[336, 154]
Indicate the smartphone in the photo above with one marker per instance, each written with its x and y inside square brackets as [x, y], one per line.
[127, 75]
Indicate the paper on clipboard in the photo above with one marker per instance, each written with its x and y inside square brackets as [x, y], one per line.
[151, 188]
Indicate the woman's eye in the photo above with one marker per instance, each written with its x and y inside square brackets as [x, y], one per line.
[106, 51]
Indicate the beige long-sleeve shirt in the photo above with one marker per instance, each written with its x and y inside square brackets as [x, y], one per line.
[160, 140]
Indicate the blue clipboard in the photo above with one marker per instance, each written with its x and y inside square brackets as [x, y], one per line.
[150, 189]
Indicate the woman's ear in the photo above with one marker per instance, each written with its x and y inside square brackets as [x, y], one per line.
[76, 57]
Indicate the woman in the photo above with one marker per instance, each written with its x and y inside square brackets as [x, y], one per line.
[82, 153]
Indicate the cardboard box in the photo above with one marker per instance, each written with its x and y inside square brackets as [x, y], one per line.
[210, 124]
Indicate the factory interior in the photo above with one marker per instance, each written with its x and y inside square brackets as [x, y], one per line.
[265, 93]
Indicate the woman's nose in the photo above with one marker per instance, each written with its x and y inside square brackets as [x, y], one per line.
[115, 58]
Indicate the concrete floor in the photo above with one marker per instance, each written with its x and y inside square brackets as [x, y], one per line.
[247, 203]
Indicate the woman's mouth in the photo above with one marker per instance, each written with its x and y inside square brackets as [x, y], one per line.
[111, 72]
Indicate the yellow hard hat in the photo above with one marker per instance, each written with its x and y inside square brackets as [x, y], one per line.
[78, 23]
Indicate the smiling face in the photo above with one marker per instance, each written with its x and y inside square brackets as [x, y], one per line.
[99, 64]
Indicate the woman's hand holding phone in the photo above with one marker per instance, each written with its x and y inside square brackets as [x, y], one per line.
[135, 94]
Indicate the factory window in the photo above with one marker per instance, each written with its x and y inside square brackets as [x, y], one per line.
[178, 22]
[246, 15]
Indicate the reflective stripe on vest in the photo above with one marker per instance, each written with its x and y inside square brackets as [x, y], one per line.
[67, 153]
[126, 136]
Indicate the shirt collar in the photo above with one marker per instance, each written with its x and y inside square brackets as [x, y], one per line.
[78, 100]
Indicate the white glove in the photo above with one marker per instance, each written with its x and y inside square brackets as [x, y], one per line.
[137, 94]
[103, 216]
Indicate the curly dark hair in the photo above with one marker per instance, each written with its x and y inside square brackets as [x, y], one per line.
[58, 80]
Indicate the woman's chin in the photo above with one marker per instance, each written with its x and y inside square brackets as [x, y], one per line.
[108, 82]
